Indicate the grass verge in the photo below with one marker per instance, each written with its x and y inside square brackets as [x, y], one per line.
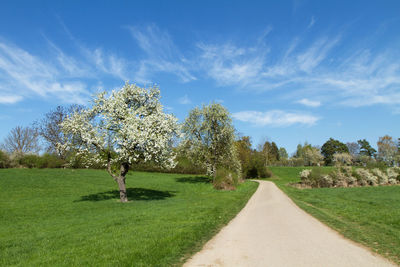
[368, 215]
[53, 217]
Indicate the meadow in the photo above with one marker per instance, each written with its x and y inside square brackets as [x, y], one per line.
[56, 217]
[368, 215]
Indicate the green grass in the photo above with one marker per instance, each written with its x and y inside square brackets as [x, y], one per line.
[74, 218]
[368, 215]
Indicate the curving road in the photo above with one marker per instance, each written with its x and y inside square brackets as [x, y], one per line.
[272, 231]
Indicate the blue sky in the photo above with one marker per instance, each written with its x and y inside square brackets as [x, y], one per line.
[288, 71]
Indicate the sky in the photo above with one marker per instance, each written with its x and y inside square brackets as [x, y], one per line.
[288, 71]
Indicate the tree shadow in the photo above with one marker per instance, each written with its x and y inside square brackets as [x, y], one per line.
[133, 194]
[194, 180]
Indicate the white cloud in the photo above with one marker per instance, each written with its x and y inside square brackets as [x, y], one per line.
[228, 64]
[355, 77]
[275, 118]
[30, 75]
[161, 55]
[10, 99]
[309, 103]
[312, 22]
[185, 100]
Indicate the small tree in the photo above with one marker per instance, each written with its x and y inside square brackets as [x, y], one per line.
[283, 155]
[354, 149]
[22, 140]
[312, 156]
[244, 152]
[366, 149]
[330, 147]
[387, 149]
[49, 128]
[121, 129]
[209, 138]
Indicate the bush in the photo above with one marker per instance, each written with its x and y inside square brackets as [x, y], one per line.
[257, 168]
[50, 161]
[296, 162]
[362, 176]
[315, 176]
[393, 174]
[376, 164]
[346, 176]
[382, 177]
[225, 179]
[183, 166]
[5, 161]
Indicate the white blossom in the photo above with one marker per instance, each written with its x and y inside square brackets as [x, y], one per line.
[122, 128]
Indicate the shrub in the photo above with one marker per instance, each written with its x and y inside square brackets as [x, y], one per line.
[339, 178]
[326, 181]
[257, 168]
[296, 162]
[29, 161]
[393, 174]
[361, 175]
[315, 176]
[376, 164]
[342, 159]
[5, 161]
[368, 177]
[50, 161]
[225, 179]
[382, 177]
[346, 176]
[304, 176]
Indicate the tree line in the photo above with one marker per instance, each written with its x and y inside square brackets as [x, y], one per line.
[127, 129]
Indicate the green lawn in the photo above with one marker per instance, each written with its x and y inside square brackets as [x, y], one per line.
[368, 215]
[73, 217]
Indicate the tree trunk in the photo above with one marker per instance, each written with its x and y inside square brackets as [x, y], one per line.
[122, 189]
[121, 182]
[214, 171]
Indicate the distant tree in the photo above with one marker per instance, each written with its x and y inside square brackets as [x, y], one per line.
[366, 149]
[49, 128]
[354, 149]
[330, 147]
[274, 152]
[312, 156]
[299, 151]
[398, 145]
[209, 138]
[283, 153]
[244, 151]
[120, 129]
[387, 149]
[271, 152]
[266, 150]
[22, 140]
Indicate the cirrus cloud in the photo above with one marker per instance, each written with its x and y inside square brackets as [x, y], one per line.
[275, 118]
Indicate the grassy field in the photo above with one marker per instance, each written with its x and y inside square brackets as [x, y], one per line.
[368, 215]
[73, 217]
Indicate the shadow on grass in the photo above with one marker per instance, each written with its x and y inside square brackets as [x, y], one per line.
[133, 194]
[194, 180]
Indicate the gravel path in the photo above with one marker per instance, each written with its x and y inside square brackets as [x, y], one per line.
[272, 231]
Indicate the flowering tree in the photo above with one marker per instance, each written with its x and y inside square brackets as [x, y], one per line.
[210, 137]
[387, 149]
[342, 159]
[120, 129]
[312, 156]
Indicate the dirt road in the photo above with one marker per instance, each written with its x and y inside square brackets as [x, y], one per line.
[272, 231]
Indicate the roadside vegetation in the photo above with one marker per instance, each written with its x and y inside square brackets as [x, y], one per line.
[368, 215]
[63, 216]
[56, 217]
